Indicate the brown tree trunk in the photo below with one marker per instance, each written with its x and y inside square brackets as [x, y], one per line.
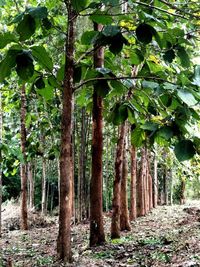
[44, 183]
[31, 185]
[133, 192]
[146, 184]
[1, 130]
[124, 214]
[97, 235]
[150, 182]
[182, 196]
[115, 224]
[66, 172]
[24, 213]
[155, 182]
[141, 186]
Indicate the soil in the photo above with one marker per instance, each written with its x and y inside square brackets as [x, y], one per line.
[167, 236]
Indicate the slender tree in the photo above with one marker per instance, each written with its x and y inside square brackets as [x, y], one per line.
[115, 223]
[155, 180]
[64, 235]
[133, 198]
[23, 169]
[1, 130]
[141, 185]
[124, 212]
[97, 235]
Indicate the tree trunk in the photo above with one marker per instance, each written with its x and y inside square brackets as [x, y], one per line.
[165, 185]
[31, 185]
[182, 195]
[140, 186]
[66, 172]
[24, 213]
[133, 192]
[150, 182]
[155, 181]
[97, 235]
[115, 224]
[44, 183]
[1, 137]
[124, 215]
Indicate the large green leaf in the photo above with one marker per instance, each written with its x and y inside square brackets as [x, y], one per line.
[88, 36]
[136, 56]
[111, 30]
[165, 132]
[26, 28]
[169, 55]
[25, 67]
[79, 5]
[145, 33]
[184, 57]
[43, 58]
[47, 92]
[187, 97]
[184, 150]
[101, 18]
[39, 12]
[6, 38]
[196, 79]
[8, 63]
[137, 137]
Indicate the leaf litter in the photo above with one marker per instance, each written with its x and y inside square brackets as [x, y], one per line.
[167, 236]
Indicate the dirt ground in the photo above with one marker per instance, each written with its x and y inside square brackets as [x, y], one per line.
[167, 236]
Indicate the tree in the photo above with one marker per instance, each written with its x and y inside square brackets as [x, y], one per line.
[97, 235]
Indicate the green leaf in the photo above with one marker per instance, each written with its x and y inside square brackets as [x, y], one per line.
[111, 31]
[39, 83]
[43, 58]
[187, 97]
[26, 28]
[111, 2]
[117, 87]
[196, 80]
[79, 5]
[87, 37]
[149, 126]
[7, 64]
[25, 67]
[39, 12]
[77, 74]
[102, 88]
[184, 58]
[6, 38]
[117, 43]
[165, 132]
[101, 18]
[136, 57]
[61, 73]
[118, 114]
[47, 92]
[149, 84]
[169, 56]
[144, 33]
[184, 150]
[137, 136]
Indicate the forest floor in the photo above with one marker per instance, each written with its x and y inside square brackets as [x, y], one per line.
[167, 236]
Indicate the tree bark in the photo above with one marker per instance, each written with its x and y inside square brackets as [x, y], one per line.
[44, 183]
[66, 172]
[155, 181]
[124, 215]
[23, 169]
[97, 235]
[115, 224]
[1, 137]
[141, 187]
[31, 185]
[133, 192]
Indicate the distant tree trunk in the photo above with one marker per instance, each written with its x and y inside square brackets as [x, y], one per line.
[66, 172]
[171, 186]
[107, 176]
[165, 185]
[97, 235]
[124, 213]
[115, 224]
[146, 184]
[31, 185]
[1, 137]
[141, 185]
[182, 195]
[133, 192]
[155, 182]
[82, 166]
[24, 213]
[44, 185]
[150, 182]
